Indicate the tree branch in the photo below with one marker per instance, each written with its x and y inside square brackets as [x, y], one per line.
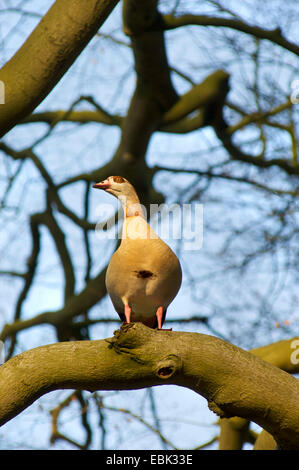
[47, 54]
[265, 441]
[221, 129]
[81, 117]
[138, 357]
[274, 35]
[227, 176]
[234, 431]
[209, 91]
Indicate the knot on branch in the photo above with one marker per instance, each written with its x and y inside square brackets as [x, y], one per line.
[147, 347]
[130, 339]
[132, 335]
[168, 366]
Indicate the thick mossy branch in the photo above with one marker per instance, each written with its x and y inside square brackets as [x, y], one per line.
[283, 354]
[265, 441]
[233, 433]
[235, 382]
[47, 54]
[154, 95]
[211, 92]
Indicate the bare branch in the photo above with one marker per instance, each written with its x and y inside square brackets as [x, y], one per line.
[274, 35]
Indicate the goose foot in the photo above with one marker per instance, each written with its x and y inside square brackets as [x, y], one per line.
[128, 313]
[159, 315]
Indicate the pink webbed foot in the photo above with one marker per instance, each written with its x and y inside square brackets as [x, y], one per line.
[159, 314]
[128, 313]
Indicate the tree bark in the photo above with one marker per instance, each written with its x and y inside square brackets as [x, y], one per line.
[47, 54]
[234, 431]
[235, 382]
[265, 441]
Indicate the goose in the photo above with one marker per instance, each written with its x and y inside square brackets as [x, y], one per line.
[144, 275]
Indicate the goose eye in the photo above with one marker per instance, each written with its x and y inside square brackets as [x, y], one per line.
[118, 179]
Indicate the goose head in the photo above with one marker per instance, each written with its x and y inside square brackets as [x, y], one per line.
[124, 191]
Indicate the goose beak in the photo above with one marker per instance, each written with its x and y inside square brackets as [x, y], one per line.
[102, 185]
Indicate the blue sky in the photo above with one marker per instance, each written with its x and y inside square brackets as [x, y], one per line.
[106, 72]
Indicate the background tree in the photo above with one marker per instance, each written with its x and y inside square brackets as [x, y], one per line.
[195, 102]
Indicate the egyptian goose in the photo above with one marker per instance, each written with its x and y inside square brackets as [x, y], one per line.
[144, 275]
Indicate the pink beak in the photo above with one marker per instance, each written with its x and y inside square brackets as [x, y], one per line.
[102, 185]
